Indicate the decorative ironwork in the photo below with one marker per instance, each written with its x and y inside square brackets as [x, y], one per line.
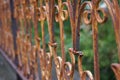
[29, 55]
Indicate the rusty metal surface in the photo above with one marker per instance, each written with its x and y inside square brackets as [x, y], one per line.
[32, 12]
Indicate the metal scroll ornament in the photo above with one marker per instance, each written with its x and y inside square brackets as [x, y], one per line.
[32, 56]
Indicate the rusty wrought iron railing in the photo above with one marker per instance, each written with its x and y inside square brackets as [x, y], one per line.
[28, 13]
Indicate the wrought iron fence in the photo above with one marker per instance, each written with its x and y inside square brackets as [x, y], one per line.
[33, 11]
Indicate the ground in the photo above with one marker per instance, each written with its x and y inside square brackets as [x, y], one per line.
[6, 72]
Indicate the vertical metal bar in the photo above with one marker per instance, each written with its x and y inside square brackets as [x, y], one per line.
[60, 14]
[52, 44]
[50, 17]
[42, 27]
[95, 48]
[13, 26]
[77, 22]
[95, 40]
[34, 17]
[61, 30]
[73, 9]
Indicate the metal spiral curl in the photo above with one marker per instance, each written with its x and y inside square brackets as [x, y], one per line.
[64, 13]
[98, 17]
[68, 69]
[41, 13]
[87, 13]
[58, 65]
[29, 12]
[87, 74]
[48, 58]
